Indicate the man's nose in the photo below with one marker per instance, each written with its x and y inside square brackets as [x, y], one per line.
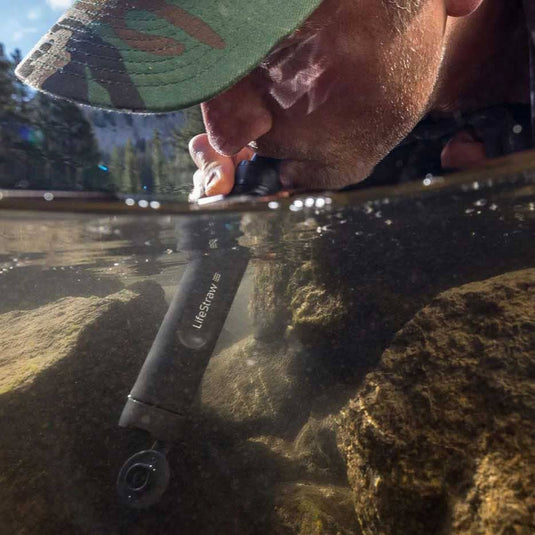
[236, 117]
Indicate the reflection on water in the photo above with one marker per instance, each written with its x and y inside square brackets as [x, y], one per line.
[374, 373]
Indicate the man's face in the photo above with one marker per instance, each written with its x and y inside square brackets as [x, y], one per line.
[334, 98]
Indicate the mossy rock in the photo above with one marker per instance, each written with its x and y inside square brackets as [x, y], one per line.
[314, 509]
[258, 386]
[441, 437]
[269, 305]
[67, 368]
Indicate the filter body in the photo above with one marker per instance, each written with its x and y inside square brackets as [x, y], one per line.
[173, 370]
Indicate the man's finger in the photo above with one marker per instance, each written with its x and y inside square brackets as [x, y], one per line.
[217, 171]
[202, 152]
[245, 154]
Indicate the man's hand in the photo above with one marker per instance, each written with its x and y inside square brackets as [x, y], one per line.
[215, 175]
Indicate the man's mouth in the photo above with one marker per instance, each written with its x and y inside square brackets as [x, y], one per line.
[285, 178]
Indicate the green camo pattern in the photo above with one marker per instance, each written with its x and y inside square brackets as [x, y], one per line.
[157, 55]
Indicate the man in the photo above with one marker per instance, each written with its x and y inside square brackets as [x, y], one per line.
[331, 99]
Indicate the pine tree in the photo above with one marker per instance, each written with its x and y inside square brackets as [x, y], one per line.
[6, 83]
[157, 164]
[18, 139]
[68, 144]
[130, 175]
[116, 168]
[181, 177]
[44, 142]
[20, 94]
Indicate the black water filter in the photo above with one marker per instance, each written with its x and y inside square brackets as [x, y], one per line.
[172, 372]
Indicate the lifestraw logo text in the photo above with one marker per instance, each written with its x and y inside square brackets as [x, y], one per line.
[204, 307]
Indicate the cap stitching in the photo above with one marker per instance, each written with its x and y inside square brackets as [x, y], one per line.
[160, 60]
[149, 62]
[98, 4]
[73, 75]
[99, 16]
[122, 49]
[113, 47]
[64, 26]
[141, 39]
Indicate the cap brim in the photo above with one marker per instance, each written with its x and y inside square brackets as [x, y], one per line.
[157, 55]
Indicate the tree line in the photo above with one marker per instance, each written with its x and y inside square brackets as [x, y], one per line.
[49, 143]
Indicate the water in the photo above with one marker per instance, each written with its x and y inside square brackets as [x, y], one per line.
[313, 415]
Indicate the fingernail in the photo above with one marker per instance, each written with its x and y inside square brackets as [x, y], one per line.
[213, 176]
[212, 180]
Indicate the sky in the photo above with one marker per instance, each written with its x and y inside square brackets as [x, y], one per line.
[23, 22]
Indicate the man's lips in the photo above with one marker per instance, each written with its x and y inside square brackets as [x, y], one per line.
[286, 161]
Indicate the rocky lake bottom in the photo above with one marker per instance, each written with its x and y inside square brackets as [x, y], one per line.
[376, 372]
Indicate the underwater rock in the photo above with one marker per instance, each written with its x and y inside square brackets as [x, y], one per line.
[314, 509]
[441, 437]
[259, 386]
[268, 305]
[308, 483]
[67, 368]
[61, 447]
[312, 455]
[316, 314]
[316, 450]
[33, 340]
[30, 287]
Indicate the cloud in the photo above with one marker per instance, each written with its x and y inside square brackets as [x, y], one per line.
[34, 13]
[20, 33]
[59, 4]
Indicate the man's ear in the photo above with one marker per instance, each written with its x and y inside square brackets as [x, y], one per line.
[461, 8]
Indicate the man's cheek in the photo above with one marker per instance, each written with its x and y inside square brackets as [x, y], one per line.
[305, 72]
[322, 91]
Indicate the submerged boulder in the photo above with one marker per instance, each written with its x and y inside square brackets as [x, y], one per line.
[67, 368]
[32, 341]
[259, 386]
[308, 484]
[315, 509]
[441, 437]
[269, 304]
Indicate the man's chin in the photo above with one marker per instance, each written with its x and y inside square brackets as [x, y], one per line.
[307, 174]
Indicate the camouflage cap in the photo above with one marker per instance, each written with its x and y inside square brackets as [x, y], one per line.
[157, 55]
